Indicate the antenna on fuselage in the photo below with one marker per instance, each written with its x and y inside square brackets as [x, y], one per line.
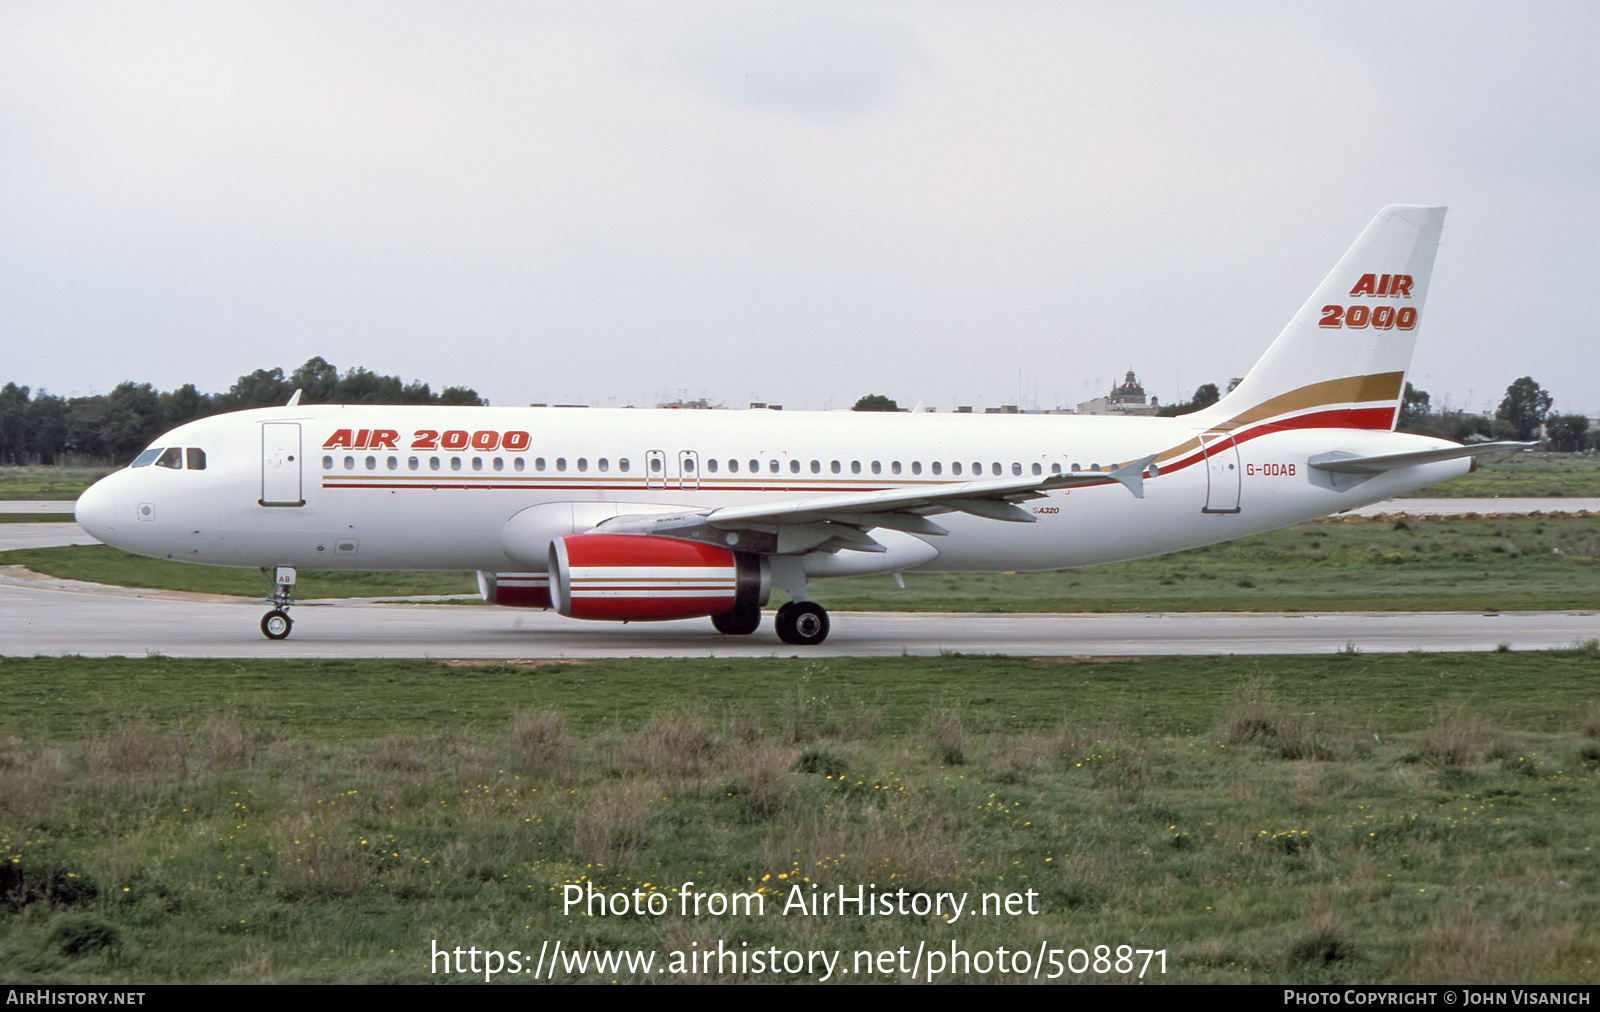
[294, 400]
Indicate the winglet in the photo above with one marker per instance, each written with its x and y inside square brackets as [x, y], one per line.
[1132, 475]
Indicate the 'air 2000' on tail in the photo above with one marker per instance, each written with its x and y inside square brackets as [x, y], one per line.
[1342, 360]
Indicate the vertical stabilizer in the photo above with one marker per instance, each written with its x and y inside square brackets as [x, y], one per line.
[1342, 360]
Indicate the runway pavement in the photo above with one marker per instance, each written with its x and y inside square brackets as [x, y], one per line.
[1482, 507]
[43, 615]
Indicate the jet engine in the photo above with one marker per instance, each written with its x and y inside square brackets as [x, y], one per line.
[643, 578]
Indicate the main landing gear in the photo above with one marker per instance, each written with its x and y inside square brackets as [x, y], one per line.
[276, 624]
[802, 623]
[739, 622]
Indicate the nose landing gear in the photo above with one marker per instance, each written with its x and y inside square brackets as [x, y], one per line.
[276, 624]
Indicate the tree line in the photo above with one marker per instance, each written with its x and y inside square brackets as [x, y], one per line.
[1526, 413]
[44, 428]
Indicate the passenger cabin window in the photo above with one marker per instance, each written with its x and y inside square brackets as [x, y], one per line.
[171, 457]
[196, 458]
[955, 468]
[455, 463]
[477, 463]
[916, 467]
[349, 463]
[149, 456]
[816, 467]
[393, 463]
[936, 467]
[733, 467]
[877, 468]
[372, 463]
[755, 466]
[895, 467]
[773, 466]
[622, 465]
[499, 463]
[516, 465]
[1017, 468]
[1055, 468]
[794, 466]
[855, 467]
[413, 463]
[327, 464]
[561, 463]
[711, 465]
[834, 466]
[605, 465]
[1037, 469]
[583, 463]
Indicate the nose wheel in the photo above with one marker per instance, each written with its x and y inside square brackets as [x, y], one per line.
[275, 624]
[802, 623]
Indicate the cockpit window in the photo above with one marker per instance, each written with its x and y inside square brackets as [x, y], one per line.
[197, 458]
[146, 458]
[171, 457]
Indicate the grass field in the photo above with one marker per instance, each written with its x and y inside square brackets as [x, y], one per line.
[41, 482]
[1530, 475]
[100, 564]
[1531, 563]
[1334, 819]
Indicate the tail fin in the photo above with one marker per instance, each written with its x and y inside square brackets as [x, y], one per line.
[1342, 360]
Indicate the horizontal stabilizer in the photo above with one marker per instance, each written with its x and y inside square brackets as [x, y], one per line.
[1347, 463]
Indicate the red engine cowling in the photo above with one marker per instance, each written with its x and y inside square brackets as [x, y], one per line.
[640, 578]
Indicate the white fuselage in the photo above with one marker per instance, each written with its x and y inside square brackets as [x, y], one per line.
[375, 487]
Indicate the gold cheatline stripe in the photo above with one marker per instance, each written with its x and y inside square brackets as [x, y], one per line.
[1383, 386]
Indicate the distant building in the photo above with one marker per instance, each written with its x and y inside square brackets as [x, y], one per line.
[1127, 399]
[697, 405]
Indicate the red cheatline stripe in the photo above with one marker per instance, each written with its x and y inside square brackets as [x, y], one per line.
[1338, 418]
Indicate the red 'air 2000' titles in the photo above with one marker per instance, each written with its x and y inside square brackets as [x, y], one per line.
[1382, 286]
[428, 439]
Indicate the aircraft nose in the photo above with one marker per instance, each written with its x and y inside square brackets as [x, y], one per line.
[96, 509]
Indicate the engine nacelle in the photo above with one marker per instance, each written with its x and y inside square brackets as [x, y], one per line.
[641, 578]
[515, 590]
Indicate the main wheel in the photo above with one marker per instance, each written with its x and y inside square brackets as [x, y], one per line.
[739, 622]
[803, 623]
[275, 624]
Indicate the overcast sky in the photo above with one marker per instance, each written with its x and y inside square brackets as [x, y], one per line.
[621, 203]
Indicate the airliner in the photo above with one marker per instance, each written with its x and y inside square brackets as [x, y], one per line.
[647, 515]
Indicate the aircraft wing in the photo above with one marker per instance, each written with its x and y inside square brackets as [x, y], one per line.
[846, 515]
